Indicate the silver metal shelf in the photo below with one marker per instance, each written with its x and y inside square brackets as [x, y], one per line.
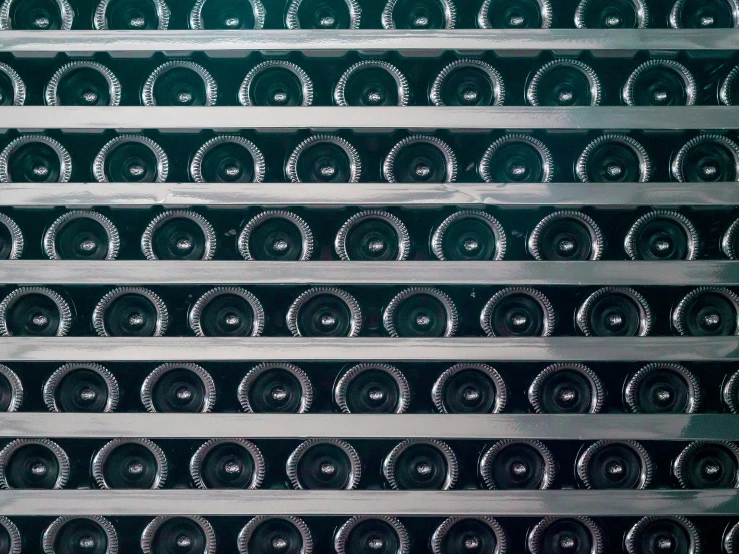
[227, 502]
[362, 119]
[225, 195]
[363, 426]
[234, 43]
[46, 272]
[181, 349]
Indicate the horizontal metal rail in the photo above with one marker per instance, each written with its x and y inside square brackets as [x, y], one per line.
[229, 195]
[132, 43]
[59, 272]
[200, 349]
[417, 503]
[363, 119]
[368, 426]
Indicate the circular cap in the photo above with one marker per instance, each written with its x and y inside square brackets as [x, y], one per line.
[122, 15]
[662, 235]
[179, 235]
[174, 387]
[33, 464]
[415, 15]
[180, 83]
[54, 15]
[136, 312]
[324, 464]
[708, 465]
[660, 83]
[81, 387]
[565, 535]
[11, 239]
[324, 159]
[36, 312]
[462, 534]
[517, 158]
[706, 159]
[372, 235]
[227, 312]
[275, 535]
[188, 534]
[728, 92]
[372, 388]
[12, 87]
[228, 464]
[421, 464]
[731, 539]
[517, 464]
[328, 14]
[468, 82]
[131, 158]
[372, 83]
[275, 388]
[729, 243]
[469, 235]
[82, 235]
[707, 311]
[671, 533]
[276, 83]
[515, 14]
[729, 393]
[564, 82]
[612, 14]
[324, 312]
[421, 312]
[564, 388]
[130, 464]
[228, 159]
[35, 159]
[469, 388]
[518, 312]
[704, 14]
[614, 312]
[11, 390]
[614, 159]
[93, 534]
[663, 388]
[83, 83]
[609, 464]
[10, 536]
[420, 159]
[566, 236]
[228, 15]
[380, 534]
[276, 235]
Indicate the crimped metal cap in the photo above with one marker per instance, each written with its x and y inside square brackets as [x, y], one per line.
[196, 312]
[65, 9]
[114, 239]
[545, 156]
[244, 390]
[341, 390]
[448, 9]
[676, 18]
[692, 238]
[633, 536]
[15, 537]
[355, 162]
[305, 80]
[641, 10]
[16, 237]
[583, 161]
[730, 542]
[65, 160]
[249, 529]
[49, 391]
[114, 85]
[98, 314]
[196, 462]
[582, 466]
[684, 458]
[48, 541]
[730, 393]
[545, 9]
[401, 82]
[101, 456]
[582, 317]
[501, 393]
[452, 471]
[100, 18]
[209, 83]
[61, 457]
[65, 312]
[694, 394]
[728, 85]
[437, 539]
[303, 228]
[16, 388]
[437, 240]
[596, 385]
[209, 386]
[683, 72]
[209, 234]
[342, 535]
[597, 242]
[292, 21]
[147, 537]
[547, 310]
[257, 8]
[680, 313]
[488, 460]
[537, 533]
[259, 167]
[98, 165]
[355, 464]
[532, 91]
[401, 233]
[388, 166]
[19, 87]
[729, 243]
[355, 323]
[496, 80]
[678, 162]
[452, 316]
